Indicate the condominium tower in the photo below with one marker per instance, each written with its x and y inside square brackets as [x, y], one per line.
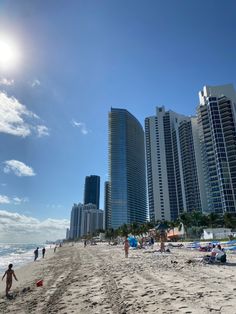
[127, 178]
[107, 217]
[217, 129]
[84, 220]
[174, 177]
[92, 190]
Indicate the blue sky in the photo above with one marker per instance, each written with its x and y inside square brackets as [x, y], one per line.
[79, 58]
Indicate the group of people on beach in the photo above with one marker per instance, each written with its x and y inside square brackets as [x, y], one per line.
[9, 273]
[217, 255]
[36, 253]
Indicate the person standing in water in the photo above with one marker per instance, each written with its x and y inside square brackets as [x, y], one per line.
[9, 273]
[36, 254]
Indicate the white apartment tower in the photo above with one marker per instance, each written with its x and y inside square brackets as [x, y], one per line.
[217, 129]
[172, 151]
[85, 219]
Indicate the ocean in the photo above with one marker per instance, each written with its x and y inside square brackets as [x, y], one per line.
[18, 254]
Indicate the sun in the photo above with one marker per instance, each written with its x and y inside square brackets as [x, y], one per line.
[9, 54]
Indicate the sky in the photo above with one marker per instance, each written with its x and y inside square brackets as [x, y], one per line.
[74, 60]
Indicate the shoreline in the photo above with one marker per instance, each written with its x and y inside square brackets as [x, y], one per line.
[99, 279]
[27, 273]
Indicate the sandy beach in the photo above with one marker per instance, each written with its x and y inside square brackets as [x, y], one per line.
[98, 279]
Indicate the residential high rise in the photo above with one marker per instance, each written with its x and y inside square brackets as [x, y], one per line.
[107, 217]
[92, 190]
[85, 219]
[217, 129]
[75, 218]
[127, 175]
[173, 174]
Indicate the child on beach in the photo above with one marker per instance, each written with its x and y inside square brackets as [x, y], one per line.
[9, 273]
[126, 247]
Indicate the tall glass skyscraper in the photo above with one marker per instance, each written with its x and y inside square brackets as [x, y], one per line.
[127, 177]
[107, 217]
[92, 190]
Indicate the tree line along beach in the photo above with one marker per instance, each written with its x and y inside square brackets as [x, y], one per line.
[99, 279]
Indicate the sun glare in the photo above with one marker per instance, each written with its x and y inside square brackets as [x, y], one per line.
[9, 55]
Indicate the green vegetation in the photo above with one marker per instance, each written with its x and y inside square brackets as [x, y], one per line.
[193, 222]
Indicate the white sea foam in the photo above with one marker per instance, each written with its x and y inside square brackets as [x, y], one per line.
[17, 254]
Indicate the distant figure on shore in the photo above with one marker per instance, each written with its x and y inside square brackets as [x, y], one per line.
[36, 254]
[126, 247]
[9, 273]
[55, 248]
[43, 252]
[85, 243]
[152, 242]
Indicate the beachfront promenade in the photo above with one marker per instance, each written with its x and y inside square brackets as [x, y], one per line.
[98, 279]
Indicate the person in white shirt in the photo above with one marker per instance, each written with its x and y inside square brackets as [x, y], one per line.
[217, 253]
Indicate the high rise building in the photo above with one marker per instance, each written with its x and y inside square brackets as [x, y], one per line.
[127, 177]
[173, 174]
[85, 219]
[107, 217]
[217, 129]
[67, 233]
[92, 190]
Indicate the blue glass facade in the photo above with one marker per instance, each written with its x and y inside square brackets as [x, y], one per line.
[92, 190]
[126, 169]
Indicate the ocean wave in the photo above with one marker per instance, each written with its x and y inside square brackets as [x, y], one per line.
[17, 254]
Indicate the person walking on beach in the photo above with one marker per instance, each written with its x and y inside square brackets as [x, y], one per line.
[152, 242]
[9, 273]
[43, 252]
[36, 254]
[126, 247]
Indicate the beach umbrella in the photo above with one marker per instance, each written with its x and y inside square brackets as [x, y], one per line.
[162, 226]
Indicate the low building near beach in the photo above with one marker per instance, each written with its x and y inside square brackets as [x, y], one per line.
[216, 233]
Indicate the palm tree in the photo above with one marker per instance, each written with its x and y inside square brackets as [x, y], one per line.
[123, 230]
[229, 220]
[211, 220]
[186, 220]
[109, 233]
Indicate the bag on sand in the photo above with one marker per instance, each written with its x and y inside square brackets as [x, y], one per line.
[223, 258]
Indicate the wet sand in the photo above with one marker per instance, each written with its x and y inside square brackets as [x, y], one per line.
[99, 279]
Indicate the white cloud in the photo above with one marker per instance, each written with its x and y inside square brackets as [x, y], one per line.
[19, 200]
[81, 125]
[4, 199]
[21, 228]
[35, 83]
[15, 118]
[42, 130]
[18, 168]
[5, 81]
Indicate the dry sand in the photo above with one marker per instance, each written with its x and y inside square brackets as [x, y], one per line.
[98, 279]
